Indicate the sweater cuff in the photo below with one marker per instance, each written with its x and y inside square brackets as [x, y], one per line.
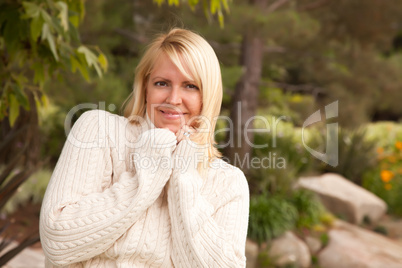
[186, 156]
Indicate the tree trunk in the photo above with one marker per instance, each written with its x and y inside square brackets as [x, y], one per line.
[245, 100]
[244, 105]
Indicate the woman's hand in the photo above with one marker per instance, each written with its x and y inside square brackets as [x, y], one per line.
[185, 133]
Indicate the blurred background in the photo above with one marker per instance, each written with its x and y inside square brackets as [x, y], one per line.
[281, 59]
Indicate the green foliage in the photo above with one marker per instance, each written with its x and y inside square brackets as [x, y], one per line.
[264, 260]
[270, 216]
[39, 38]
[357, 154]
[310, 210]
[284, 155]
[385, 134]
[230, 76]
[324, 238]
[51, 122]
[211, 7]
[296, 107]
[385, 180]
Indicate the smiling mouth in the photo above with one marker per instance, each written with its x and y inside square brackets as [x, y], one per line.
[172, 113]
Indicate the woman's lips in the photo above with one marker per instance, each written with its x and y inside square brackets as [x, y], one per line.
[171, 114]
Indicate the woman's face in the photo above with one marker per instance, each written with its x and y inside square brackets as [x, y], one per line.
[172, 99]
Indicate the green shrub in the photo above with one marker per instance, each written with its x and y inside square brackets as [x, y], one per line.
[386, 179]
[310, 210]
[357, 154]
[270, 217]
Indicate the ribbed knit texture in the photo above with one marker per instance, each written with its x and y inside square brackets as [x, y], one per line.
[117, 199]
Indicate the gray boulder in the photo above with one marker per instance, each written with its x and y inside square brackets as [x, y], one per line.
[344, 198]
[289, 249]
[353, 247]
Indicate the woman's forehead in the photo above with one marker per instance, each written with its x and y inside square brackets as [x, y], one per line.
[167, 65]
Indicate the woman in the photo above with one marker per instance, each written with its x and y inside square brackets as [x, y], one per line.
[149, 189]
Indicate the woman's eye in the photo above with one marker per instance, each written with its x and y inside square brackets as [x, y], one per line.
[161, 84]
[192, 86]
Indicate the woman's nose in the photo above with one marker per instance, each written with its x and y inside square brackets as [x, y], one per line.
[174, 97]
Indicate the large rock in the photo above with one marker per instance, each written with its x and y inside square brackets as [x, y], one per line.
[344, 198]
[289, 249]
[313, 243]
[353, 247]
[252, 252]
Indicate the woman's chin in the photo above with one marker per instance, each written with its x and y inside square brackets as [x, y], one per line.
[174, 129]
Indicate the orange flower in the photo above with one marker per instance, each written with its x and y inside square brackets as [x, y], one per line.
[388, 186]
[380, 150]
[398, 145]
[386, 175]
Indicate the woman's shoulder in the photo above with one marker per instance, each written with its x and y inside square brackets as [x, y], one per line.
[101, 116]
[108, 121]
[100, 124]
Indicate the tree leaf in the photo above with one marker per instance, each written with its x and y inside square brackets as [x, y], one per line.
[75, 20]
[215, 6]
[20, 96]
[44, 101]
[98, 70]
[63, 15]
[47, 18]
[76, 64]
[221, 19]
[14, 110]
[36, 28]
[225, 5]
[39, 70]
[91, 59]
[103, 62]
[193, 3]
[159, 2]
[32, 10]
[47, 35]
[173, 2]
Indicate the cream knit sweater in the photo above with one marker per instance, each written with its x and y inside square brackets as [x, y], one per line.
[115, 199]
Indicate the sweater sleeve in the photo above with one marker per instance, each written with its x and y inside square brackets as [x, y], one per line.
[206, 234]
[78, 219]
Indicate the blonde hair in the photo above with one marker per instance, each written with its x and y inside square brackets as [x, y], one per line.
[190, 53]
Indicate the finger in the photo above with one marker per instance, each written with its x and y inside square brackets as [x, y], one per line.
[179, 135]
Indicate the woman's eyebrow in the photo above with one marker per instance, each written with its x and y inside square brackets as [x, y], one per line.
[160, 78]
[168, 80]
